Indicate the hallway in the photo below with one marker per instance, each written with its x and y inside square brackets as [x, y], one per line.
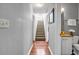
[25, 27]
[40, 48]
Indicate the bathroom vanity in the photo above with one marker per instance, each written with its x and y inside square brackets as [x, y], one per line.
[66, 43]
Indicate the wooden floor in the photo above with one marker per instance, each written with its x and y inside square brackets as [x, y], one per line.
[40, 48]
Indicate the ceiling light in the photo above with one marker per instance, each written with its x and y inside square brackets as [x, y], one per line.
[62, 9]
[39, 4]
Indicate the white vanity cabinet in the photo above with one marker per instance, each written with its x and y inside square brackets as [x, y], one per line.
[66, 45]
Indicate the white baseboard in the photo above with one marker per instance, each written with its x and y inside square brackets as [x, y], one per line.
[50, 50]
[30, 50]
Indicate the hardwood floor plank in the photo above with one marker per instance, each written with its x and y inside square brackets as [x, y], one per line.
[40, 48]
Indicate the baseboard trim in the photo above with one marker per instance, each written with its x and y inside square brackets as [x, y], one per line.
[50, 50]
[30, 50]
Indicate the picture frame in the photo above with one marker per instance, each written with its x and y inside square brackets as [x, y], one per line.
[51, 16]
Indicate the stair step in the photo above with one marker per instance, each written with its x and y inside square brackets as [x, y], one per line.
[40, 35]
[40, 38]
[42, 28]
[40, 25]
[40, 31]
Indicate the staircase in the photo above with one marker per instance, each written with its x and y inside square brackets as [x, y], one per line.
[40, 34]
[40, 46]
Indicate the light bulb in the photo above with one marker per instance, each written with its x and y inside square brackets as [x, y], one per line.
[62, 9]
[39, 5]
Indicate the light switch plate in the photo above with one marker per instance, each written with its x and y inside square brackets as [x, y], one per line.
[4, 23]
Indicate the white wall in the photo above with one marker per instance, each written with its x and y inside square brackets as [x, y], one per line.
[27, 27]
[45, 26]
[53, 34]
[17, 38]
[34, 26]
[54, 31]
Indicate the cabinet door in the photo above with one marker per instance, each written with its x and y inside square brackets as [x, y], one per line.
[66, 48]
